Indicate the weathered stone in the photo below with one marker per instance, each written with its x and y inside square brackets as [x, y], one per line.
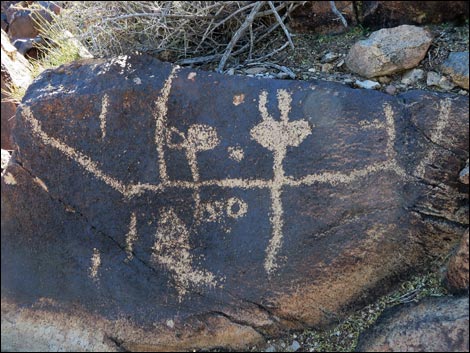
[384, 79]
[433, 325]
[391, 89]
[389, 51]
[433, 78]
[457, 270]
[295, 346]
[15, 74]
[446, 84]
[318, 17]
[23, 22]
[457, 67]
[329, 57]
[412, 77]
[169, 208]
[383, 14]
[367, 84]
[464, 174]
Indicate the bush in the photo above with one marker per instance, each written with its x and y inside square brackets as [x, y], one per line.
[179, 31]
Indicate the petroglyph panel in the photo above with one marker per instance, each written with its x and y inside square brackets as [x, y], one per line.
[191, 193]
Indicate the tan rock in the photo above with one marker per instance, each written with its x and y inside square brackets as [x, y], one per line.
[457, 67]
[464, 173]
[389, 51]
[457, 271]
[16, 74]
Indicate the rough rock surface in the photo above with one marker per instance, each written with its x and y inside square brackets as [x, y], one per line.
[433, 325]
[389, 50]
[317, 17]
[458, 268]
[170, 208]
[464, 174]
[15, 73]
[382, 14]
[22, 20]
[457, 67]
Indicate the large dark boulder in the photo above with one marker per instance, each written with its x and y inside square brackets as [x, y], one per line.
[432, 325]
[154, 207]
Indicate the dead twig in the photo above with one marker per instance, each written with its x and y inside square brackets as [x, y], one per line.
[238, 34]
[339, 14]
[281, 23]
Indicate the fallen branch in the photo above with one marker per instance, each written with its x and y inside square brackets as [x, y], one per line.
[237, 35]
[281, 23]
[339, 14]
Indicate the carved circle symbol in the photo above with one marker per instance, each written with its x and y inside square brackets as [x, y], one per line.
[236, 208]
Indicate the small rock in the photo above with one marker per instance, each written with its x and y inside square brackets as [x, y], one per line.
[340, 63]
[456, 66]
[457, 278]
[412, 76]
[384, 79]
[16, 72]
[326, 67]
[433, 78]
[463, 92]
[389, 50]
[271, 348]
[367, 84]
[295, 346]
[255, 70]
[391, 89]
[329, 57]
[446, 84]
[312, 69]
[463, 177]
[230, 71]
[282, 75]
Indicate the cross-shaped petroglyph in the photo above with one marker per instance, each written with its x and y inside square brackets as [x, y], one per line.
[172, 248]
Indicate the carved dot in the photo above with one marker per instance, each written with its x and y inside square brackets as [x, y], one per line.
[236, 208]
[238, 99]
[236, 153]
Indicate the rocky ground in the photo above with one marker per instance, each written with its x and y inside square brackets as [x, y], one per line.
[322, 57]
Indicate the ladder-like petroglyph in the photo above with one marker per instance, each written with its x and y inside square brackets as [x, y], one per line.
[172, 248]
[198, 138]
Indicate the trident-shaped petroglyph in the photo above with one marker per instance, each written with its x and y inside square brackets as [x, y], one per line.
[276, 136]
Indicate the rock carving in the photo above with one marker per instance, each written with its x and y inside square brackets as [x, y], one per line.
[172, 248]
